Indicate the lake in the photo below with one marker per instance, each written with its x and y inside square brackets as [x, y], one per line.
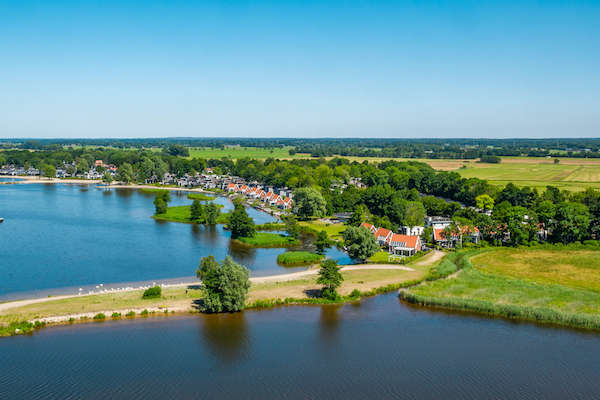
[57, 238]
[379, 348]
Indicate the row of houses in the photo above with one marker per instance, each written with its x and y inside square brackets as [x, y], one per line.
[282, 200]
[396, 243]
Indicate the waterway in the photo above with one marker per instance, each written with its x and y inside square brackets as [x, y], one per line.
[378, 349]
[56, 238]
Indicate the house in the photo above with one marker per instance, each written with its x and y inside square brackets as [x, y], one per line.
[369, 227]
[232, 187]
[382, 235]
[404, 245]
[469, 234]
[413, 230]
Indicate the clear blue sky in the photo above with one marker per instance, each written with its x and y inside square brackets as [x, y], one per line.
[299, 69]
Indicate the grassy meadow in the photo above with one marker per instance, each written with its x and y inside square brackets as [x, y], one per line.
[240, 152]
[572, 174]
[559, 285]
[291, 258]
[268, 239]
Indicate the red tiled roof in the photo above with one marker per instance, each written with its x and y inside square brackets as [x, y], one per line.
[382, 232]
[368, 226]
[409, 241]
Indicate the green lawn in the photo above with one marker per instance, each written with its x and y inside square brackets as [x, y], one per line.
[200, 196]
[299, 258]
[268, 239]
[334, 231]
[183, 214]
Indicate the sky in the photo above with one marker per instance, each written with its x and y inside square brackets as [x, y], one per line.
[482, 69]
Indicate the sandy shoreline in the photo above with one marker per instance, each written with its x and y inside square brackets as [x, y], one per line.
[256, 280]
[24, 180]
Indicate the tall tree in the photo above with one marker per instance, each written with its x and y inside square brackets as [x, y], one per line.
[360, 243]
[291, 225]
[225, 285]
[308, 202]
[331, 278]
[322, 242]
[125, 173]
[240, 224]
[212, 213]
[197, 211]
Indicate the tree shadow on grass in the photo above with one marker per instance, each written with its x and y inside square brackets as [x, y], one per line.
[313, 293]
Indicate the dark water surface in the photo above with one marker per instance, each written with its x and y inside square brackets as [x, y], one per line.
[66, 236]
[377, 349]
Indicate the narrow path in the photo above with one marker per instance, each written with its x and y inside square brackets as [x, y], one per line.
[260, 279]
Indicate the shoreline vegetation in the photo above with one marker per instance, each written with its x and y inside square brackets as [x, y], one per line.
[268, 240]
[531, 284]
[298, 258]
[288, 289]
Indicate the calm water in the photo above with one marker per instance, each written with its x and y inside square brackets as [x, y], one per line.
[66, 236]
[376, 349]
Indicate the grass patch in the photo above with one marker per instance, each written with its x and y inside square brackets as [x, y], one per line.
[334, 231]
[299, 258]
[562, 266]
[480, 291]
[200, 196]
[183, 214]
[267, 239]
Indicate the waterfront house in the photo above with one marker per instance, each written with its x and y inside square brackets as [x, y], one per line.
[404, 245]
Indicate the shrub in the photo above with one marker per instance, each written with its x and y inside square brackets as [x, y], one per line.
[152, 293]
[99, 316]
[130, 314]
[298, 258]
[116, 315]
[144, 312]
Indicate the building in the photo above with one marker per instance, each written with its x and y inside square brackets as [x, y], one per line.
[404, 245]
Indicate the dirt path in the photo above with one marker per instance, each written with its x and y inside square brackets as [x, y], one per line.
[430, 258]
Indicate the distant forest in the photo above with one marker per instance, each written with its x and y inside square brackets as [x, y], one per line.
[358, 147]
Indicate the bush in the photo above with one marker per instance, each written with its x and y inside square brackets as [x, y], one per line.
[298, 258]
[99, 316]
[152, 293]
[130, 314]
[144, 312]
[116, 315]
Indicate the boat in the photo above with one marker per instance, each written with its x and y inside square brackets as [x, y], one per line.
[1, 220]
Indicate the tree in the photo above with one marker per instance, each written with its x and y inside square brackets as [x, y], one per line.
[49, 171]
[82, 165]
[291, 225]
[240, 224]
[571, 222]
[107, 178]
[212, 213]
[484, 202]
[225, 285]
[160, 202]
[160, 205]
[125, 173]
[322, 242]
[414, 214]
[331, 278]
[358, 216]
[308, 202]
[197, 211]
[360, 243]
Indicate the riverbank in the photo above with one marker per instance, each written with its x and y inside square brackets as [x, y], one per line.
[297, 287]
[551, 284]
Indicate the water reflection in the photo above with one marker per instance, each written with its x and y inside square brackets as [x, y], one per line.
[226, 335]
[329, 323]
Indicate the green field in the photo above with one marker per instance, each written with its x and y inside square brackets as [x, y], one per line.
[560, 285]
[570, 174]
[299, 258]
[183, 214]
[268, 239]
[240, 152]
